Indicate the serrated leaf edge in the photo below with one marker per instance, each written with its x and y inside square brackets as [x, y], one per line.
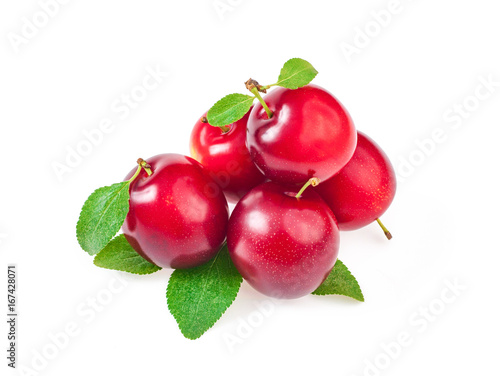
[78, 237]
[128, 271]
[349, 296]
[210, 119]
[222, 313]
[296, 58]
[122, 270]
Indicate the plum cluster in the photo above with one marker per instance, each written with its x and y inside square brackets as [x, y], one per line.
[297, 170]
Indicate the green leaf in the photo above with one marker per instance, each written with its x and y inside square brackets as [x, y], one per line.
[229, 109]
[296, 73]
[198, 297]
[102, 216]
[340, 281]
[119, 255]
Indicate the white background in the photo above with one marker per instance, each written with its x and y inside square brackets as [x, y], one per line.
[426, 59]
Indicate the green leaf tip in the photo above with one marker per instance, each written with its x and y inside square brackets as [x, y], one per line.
[340, 281]
[229, 109]
[119, 255]
[296, 73]
[102, 216]
[198, 297]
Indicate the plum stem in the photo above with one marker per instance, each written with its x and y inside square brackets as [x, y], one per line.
[223, 128]
[254, 87]
[313, 181]
[255, 92]
[142, 165]
[145, 165]
[386, 232]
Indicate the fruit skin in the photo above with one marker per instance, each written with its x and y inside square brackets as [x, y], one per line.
[226, 156]
[364, 189]
[310, 134]
[283, 246]
[174, 220]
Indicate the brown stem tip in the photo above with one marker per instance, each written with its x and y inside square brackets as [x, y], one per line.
[143, 163]
[251, 83]
[315, 181]
[386, 231]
